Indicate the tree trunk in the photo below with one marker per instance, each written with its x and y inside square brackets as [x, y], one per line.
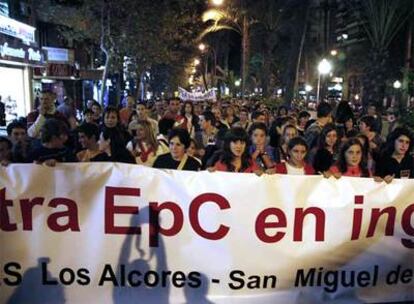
[302, 43]
[296, 35]
[105, 51]
[374, 81]
[265, 77]
[408, 66]
[245, 55]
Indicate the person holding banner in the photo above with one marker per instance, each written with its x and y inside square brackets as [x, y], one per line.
[179, 141]
[395, 160]
[351, 161]
[5, 151]
[295, 164]
[235, 156]
[325, 154]
[54, 135]
[88, 135]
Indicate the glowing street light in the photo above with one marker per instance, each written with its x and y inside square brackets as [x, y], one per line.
[196, 61]
[324, 68]
[397, 85]
[308, 88]
[237, 83]
[217, 2]
[334, 52]
[202, 47]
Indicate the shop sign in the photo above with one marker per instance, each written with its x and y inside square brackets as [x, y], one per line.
[59, 54]
[20, 53]
[91, 74]
[17, 29]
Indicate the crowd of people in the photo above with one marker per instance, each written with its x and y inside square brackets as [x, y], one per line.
[233, 136]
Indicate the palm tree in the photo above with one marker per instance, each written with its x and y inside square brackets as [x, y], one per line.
[382, 20]
[232, 18]
[268, 16]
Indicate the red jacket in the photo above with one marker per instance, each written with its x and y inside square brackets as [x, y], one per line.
[220, 166]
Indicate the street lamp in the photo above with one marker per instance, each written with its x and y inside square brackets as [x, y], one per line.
[202, 47]
[308, 88]
[397, 85]
[217, 2]
[324, 68]
[196, 61]
[237, 83]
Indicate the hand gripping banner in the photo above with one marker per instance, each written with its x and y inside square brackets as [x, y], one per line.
[114, 233]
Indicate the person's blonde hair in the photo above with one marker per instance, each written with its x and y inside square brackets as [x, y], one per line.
[149, 133]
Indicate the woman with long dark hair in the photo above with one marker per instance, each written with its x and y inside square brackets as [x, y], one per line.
[395, 159]
[351, 161]
[112, 148]
[190, 119]
[325, 154]
[296, 164]
[111, 121]
[235, 155]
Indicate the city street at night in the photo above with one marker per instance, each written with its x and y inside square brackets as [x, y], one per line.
[206, 151]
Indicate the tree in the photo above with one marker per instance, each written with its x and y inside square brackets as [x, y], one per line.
[234, 17]
[148, 33]
[382, 20]
[268, 15]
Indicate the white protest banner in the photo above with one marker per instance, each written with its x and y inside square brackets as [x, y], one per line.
[184, 95]
[115, 233]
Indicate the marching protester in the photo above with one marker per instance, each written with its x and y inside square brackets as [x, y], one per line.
[206, 139]
[88, 136]
[179, 141]
[174, 113]
[5, 151]
[261, 153]
[142, 114]
[295, 165]
[303, 119]
[125, 113]
[244, 121]
[229, 116]
[235, 156]
[22, 144]
[367, 126]
[288, 132]
[112, 148]
[112, 121]
[325, 154]
[351, 160]
[144, 145]
[324, 116]
[46, 109]
[190, 119]
[54, 135]
[395, 160]
[97, 113]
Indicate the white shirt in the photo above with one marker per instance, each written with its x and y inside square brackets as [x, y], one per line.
[293, 170]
